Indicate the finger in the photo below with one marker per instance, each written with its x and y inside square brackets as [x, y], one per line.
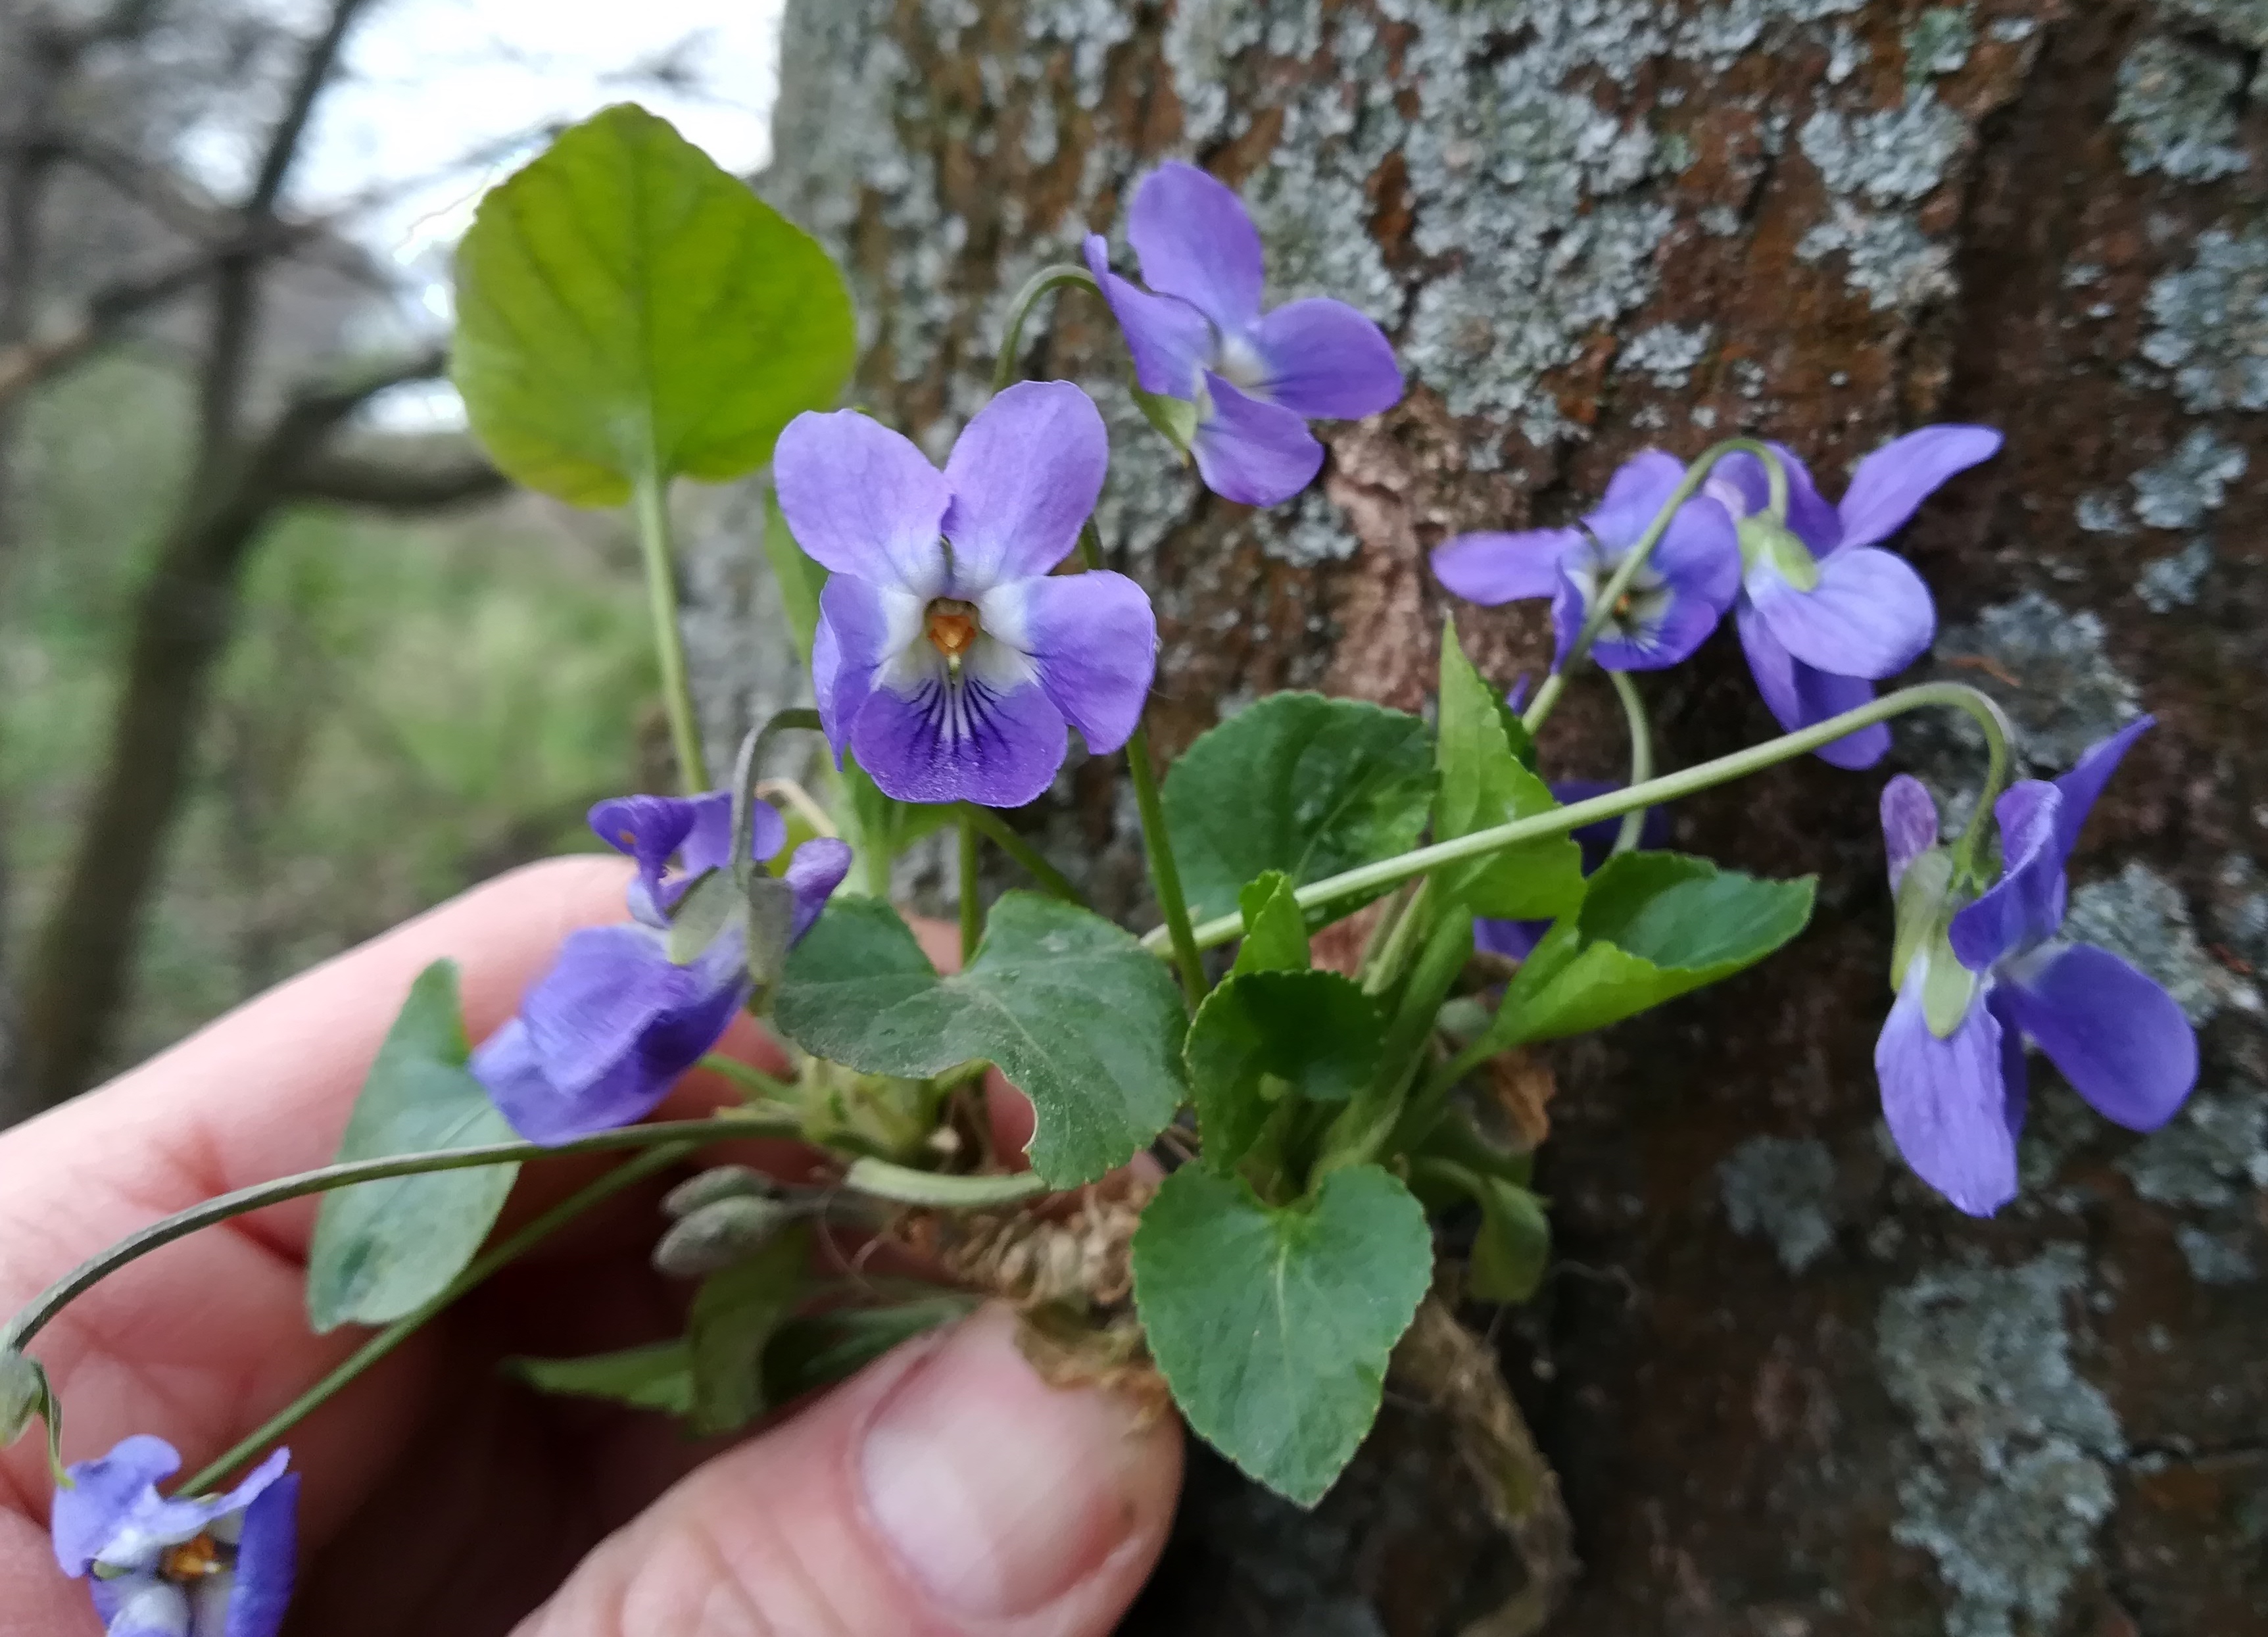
[946, 1490]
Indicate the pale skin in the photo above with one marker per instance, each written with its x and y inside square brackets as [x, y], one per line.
[945, 1490]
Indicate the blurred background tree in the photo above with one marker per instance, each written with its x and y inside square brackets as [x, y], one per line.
[284, 664]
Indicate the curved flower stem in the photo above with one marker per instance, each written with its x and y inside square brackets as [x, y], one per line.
[972, 902]
[879, 1179]
[43, 1308]
[1410, 920]
[1641, 738]
[1056, 276]
[1603, 605]
[996, 830]
[1686, 782]
[649, 501]
[510, 1249]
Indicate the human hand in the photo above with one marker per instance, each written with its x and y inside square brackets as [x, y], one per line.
[946, 1489]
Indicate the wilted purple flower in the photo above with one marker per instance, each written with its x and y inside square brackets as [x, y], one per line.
[1253, 380]
[1823, 611]
[1516, 940]
[217, 1567]
[1956, 1100]
[1672, 605]
[947, 655]
[601, 1037]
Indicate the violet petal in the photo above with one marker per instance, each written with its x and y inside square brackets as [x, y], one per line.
[1946, 1101]
[2024, 907]
[1092, 638]
[1800, 696]
[1870, 614]
[2117, 1036]
[862, 500]
[1892, 482]
[1909, 824]
[1170, 340]
[1025, 474]
[1252, 452]
[996, 742]
[1326, 361]
[1491, 568]
[1195, 241]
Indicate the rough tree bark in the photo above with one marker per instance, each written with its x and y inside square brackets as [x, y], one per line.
[1788, 1391]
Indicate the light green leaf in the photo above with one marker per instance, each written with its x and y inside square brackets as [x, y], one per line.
[819, 1349]
[1485, 784]
[659, 1377]
[1298, 782]
[627, 309]
[1275, 927]
[1084, 1021]
[1654, 926]
[1515, 1243]
[1273, 1327]
[800, 579]
[382, 1250]
[1266, 1036]
[735, 1314]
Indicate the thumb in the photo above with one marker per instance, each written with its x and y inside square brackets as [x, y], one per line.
[946, 1490]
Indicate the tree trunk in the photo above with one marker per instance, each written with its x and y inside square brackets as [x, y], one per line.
[1787, 1389]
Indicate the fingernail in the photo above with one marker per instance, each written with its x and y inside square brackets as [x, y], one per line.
[998, 1492]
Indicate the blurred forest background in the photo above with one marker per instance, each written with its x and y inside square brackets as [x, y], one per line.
[281, 663]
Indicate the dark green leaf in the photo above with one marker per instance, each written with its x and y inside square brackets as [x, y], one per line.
[1275, 927]
[1654, 927]
[1273, 1327]
[735, 1315]
[382, 1250]
[1265, 1036]
[626, 309]
[1485, 784]
[659, 1377]
[1084, 1021]
[820, 1349]
[1297, 783]
[800, 579]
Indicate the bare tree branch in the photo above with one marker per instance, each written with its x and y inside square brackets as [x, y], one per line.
[315, 70]
[416, 478]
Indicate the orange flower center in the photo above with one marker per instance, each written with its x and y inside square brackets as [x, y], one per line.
[192, 1560]
[951, 626]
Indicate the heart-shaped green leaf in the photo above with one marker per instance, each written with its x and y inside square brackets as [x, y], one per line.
[626, 310]
[1654, 926]
[1273, 1327]
[1084, 1021]
[1485, 784]
[1298, 782]
[1266, 1036]
[383, 1250]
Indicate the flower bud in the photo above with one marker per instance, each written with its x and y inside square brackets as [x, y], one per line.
[722, 1182]
[23, 1391]
[720, 1234]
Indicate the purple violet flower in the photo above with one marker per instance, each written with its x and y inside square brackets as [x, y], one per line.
[218, 1566]
[1516, 940]
[1954, 1099]
[1674, 603]
[1252, 380]
[1823, 612]
[601, 1037]
[947, 655]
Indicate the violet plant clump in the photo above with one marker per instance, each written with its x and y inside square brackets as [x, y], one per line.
[1315, 1118]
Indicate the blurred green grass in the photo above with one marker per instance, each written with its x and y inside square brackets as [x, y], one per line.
[408, 707]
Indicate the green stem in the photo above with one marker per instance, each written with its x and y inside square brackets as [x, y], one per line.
[1380, 973]
[42, 1309]
[1001, 835]
[650, 500]
[1165, 874]
[972, 902]
[1371, 878]
[1641, 738]
[510, 1249]
[1054, 277]
[879, 1179]
[1609, 598]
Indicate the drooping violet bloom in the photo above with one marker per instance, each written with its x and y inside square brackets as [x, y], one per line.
[1956, 1100]
[601, 1037]
[220, 1567]
[1516, 940]
[1824, 612]
[1673, 603]
[1252, 380]
[946, 656]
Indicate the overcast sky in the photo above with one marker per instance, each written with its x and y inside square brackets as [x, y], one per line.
[429, 81]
